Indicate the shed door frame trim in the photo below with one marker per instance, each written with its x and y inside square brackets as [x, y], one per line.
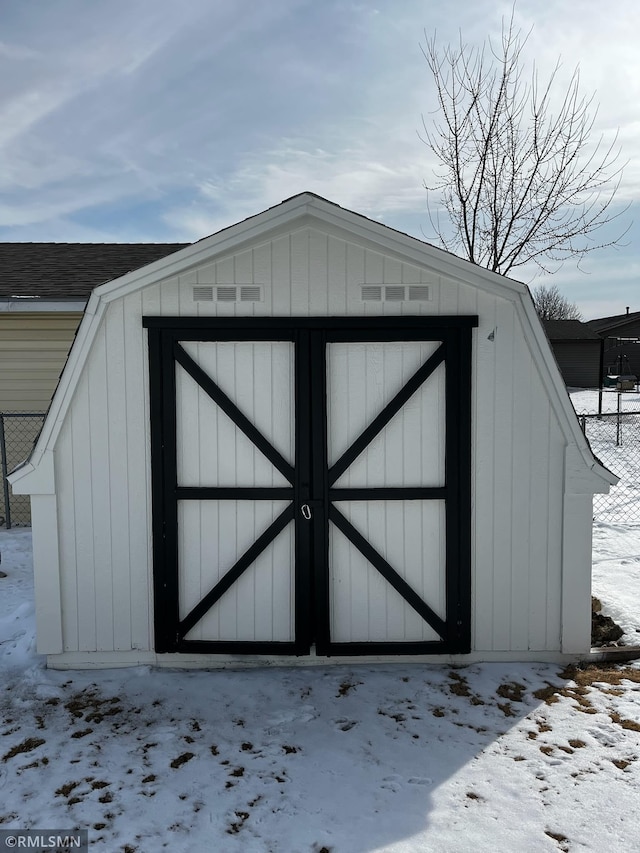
[311, 336]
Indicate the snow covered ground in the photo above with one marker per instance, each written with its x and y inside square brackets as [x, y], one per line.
[428, 759]
[493, 757]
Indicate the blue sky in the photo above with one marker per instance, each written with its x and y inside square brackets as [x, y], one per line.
[158, 120]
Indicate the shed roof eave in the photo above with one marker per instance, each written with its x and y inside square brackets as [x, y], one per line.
[34, 478]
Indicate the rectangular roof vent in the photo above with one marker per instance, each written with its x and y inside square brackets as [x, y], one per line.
[371, 293]
[203, 293]
[225, 294]
[250, 293]
[418, 292]
[394, 293]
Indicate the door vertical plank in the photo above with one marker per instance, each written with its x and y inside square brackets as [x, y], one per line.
[304, 627]
[320, 489]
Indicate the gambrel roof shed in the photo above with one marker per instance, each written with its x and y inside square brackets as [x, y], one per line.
[310, 437]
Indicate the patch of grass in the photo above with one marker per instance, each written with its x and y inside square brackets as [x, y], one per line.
[65, 790]
[506, 709]
[620, 763]
[181, 759]
[576, 743]
[345, 687]
[27, 745]
[460, 685]
[629, 725]
[290, 750]
[93, 708]
[548, 694]
[578, 692]
[562, 840]
[82, 733]
[237, 825]
[398, 717]
[601, 673]
[512, 691]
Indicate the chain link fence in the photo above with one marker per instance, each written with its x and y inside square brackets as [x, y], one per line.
[615, 439]
[18, 432]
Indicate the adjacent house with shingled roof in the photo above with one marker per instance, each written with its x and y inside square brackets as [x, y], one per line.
[621, 334]
[44, 288]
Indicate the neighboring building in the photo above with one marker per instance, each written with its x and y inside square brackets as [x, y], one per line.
[621, 335]
[309, 438]
[44, 288]
[577, 349]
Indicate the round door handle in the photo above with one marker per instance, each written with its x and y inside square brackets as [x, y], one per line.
[306, 511]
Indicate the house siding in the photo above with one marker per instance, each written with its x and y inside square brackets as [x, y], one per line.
[33, 349]
[579, 362]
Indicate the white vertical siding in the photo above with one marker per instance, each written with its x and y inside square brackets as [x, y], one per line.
[213, 451]
[48, 602]
[410, 451]
[517, 491]
[410, 536]
[103, 466]
[363, 378]
[213, 535]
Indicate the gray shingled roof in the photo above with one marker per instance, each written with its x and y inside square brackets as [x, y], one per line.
[605, 324]
[71, 270]
[568, 330]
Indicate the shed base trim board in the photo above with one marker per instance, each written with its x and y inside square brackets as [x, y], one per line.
[117, 660]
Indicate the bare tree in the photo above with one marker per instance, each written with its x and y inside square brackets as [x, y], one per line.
[519, 182]
[550, 304]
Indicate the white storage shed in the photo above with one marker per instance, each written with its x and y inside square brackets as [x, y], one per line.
[310, 437]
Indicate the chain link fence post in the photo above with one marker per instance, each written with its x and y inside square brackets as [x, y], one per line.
[5, 482]
[18, 433]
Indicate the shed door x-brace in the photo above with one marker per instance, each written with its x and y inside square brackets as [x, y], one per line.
[311, 484]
